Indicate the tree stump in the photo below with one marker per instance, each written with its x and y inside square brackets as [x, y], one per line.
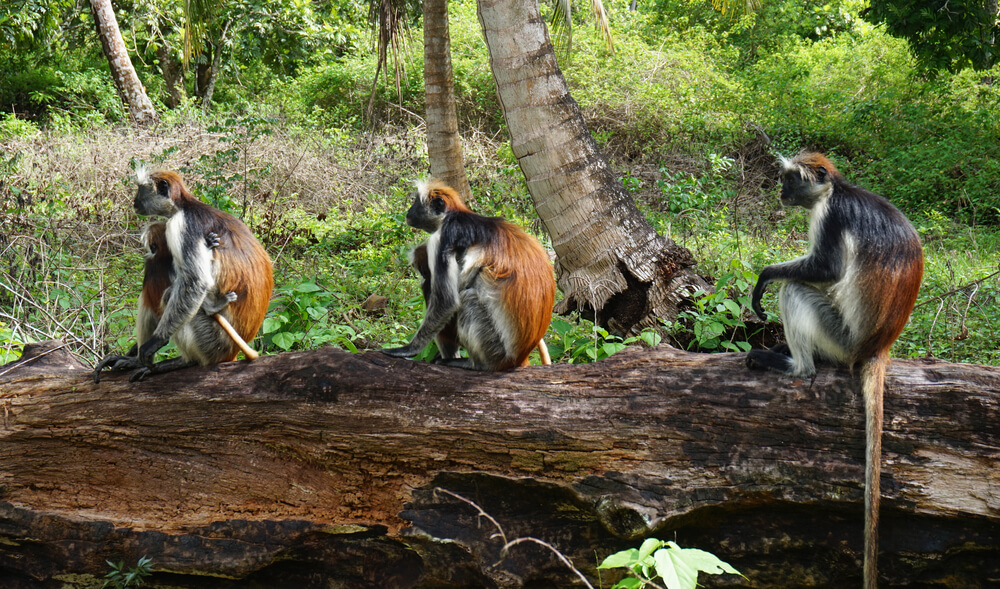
[324, 469]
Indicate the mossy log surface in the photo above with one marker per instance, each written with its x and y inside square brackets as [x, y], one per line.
[325, 469]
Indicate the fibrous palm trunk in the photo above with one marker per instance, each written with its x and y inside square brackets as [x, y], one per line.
[611, 264]
[444, 145]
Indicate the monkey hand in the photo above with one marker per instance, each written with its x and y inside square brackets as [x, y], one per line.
[212, 240]
[147, 351]
[403, 352]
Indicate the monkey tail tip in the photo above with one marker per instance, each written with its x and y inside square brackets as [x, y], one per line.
[249, 352]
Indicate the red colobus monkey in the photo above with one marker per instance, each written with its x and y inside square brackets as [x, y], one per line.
[847, 300]
[207, 282]
[488, 285]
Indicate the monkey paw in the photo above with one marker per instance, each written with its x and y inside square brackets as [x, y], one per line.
[115, 363]
[212, 240]
[752, 361]
[140, 374]
[769, 360]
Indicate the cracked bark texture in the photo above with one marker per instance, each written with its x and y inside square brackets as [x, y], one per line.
[320, 469]
[610, 263]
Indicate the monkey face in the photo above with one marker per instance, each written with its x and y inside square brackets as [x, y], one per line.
[426, 216]
[153, 196]
[804, 188]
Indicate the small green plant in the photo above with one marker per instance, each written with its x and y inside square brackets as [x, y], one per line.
[218, 184]
[302, 319]
[716, 314]
[120, 578]
[583, 342]
[677, 567]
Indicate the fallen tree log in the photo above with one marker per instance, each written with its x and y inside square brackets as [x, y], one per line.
[320, 469]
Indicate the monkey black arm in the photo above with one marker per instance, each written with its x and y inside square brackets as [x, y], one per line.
[187, 294]
[823, 265]
[442, 305]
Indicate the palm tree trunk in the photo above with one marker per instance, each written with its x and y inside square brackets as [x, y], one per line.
[126, 80]
[611, 264]
[444, 145]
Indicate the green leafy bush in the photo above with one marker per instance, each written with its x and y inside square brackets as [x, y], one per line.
[676, 567]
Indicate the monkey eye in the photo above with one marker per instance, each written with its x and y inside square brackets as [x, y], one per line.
[162, 187]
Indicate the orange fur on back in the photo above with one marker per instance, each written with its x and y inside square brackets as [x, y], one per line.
[521, 266]
[244, 266]
[889, 294]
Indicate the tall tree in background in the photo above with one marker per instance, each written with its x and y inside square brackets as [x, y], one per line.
[444, 144]
[126, 80]
[610, 261]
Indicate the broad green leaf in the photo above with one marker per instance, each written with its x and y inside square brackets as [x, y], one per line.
[648, 547]
[284, 340]
[624, 558]
[651, 338]
[307, 287]
[705, 561]
[628, 583]
[672, 568]
[612, 348]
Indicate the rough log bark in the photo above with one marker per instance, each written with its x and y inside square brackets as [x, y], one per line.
[318, 469]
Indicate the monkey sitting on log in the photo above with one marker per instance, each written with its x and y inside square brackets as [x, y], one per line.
[846, 300]
[207, 282]
[488, 285]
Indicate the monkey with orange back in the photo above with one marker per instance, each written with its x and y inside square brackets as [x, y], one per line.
[488, 285]
[207, 282]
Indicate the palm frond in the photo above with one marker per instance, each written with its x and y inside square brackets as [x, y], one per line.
[388, 20]
[734, 8]
[197, 16]
[562, 22]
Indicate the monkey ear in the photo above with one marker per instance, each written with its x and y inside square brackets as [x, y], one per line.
[438, 205]
[821, 174]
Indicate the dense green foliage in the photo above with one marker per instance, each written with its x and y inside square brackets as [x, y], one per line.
[948, 35]
[684, 107]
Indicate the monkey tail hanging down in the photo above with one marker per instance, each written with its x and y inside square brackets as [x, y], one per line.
[207, 282]
[846, 300]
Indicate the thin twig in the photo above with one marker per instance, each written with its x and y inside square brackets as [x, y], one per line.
[477, 508]
[959, 289]
[560, 555]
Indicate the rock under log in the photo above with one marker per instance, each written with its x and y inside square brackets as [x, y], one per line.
[319, 469]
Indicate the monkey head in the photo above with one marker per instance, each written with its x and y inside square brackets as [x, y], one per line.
[159, 192]
[431, 202]
[806, 179]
